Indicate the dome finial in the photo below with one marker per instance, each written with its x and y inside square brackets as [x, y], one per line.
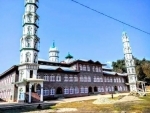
[53, 44]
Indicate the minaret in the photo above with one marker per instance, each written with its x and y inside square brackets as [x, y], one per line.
[129, 62]
[29, 51]
[53, 53]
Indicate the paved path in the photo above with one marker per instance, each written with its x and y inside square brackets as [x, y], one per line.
[4, 105]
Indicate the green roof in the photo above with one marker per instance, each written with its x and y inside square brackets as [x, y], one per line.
[69, 56]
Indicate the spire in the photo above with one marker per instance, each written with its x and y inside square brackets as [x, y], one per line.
[53, 46]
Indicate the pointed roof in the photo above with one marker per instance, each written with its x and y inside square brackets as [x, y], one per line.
[69, 56]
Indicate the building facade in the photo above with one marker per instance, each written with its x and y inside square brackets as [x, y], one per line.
[35, 79]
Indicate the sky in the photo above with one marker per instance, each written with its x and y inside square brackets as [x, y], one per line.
[76, 29]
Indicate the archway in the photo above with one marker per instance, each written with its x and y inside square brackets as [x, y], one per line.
[59, 90]
[90, 89]
[115, 88]
[95, 89]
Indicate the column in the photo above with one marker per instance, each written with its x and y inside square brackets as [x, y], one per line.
[41, 97]
[142, 87]
[35, 87]
[30, 86]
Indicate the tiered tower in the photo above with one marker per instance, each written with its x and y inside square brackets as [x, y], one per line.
[29, 51]
[129, 61]
[53, 53]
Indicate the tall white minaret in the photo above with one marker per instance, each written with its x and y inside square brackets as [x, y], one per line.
[53, 53]
[29, 49]
[129, 61]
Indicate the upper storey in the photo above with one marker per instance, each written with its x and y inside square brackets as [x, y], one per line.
[34, 2]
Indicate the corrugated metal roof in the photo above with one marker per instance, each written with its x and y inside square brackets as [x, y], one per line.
[46, 67]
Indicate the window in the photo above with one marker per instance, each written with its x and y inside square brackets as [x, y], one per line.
[84, 67]
[98, 79]
[70, 78]
[52, 78]
[101, 79]
[66, 78]
[106, 88]
[114, 80]
[38, 76]
[112, 88]
[52, 91]
[89, 79]
[80, 67]
[82, 89]
[71, 90]
[86, 89]
[100, 69]
[93, 68]
[94, 78]
[66, 90]
[31, 73]
[122, 80]
[85, 78]
[28, 57]
[109, 88]
[75, 78]
[88, 68]
[96, 68]
[76, 90]
[110, 79]
[99, 89]
[58, 78]
[81, 78]
[105, 79]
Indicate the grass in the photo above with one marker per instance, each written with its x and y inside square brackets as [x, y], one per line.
[141, 106]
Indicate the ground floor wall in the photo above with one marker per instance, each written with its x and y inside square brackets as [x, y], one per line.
[68, 90]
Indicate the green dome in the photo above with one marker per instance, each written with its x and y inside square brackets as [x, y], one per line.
[69, 56]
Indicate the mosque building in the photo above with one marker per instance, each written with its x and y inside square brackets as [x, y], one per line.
[36, 80]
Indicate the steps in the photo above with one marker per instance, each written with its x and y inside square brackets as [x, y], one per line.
[34, 97]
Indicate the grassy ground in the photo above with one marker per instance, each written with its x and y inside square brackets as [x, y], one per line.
[142, 106]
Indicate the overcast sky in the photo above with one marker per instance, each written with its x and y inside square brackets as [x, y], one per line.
[78, 30]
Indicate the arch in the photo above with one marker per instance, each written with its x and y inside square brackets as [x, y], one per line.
[115, 88]
[35, 57]
[28, 57]
[59, 90]
[95, 89]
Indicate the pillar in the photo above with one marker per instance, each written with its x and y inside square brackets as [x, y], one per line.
[30, 87]
[35, 87]
[41, 97]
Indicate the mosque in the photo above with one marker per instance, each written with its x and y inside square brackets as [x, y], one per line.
[36, 80]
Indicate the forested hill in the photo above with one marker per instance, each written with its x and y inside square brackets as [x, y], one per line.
[142, 68]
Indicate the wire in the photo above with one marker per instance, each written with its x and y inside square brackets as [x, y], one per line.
[110, 17]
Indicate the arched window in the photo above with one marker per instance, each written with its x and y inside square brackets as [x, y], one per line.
[81, 78]
[84, 67]
[75, 78]
[28, 57]
[93, 68]
[80, 67]
[86, 89]
[66, 90]
[71, 90]
[35, 58]
[52, 78]
[95, 79]
[70, 78]
[52, 91]
[85, 78]
[58, 78]
[28, 42]
[76, 90]
[89, 79]
[88, 68]
[29, 30]
[66, 78]
[81, 89]
[29, 18]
